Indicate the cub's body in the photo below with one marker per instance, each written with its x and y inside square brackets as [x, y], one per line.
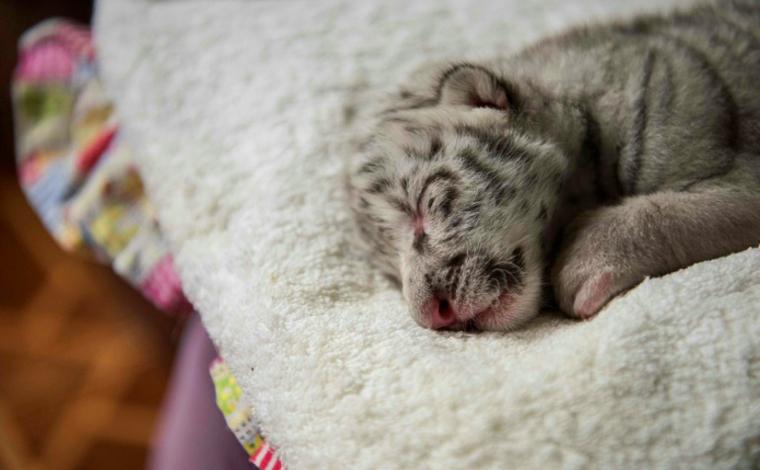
[595, 158]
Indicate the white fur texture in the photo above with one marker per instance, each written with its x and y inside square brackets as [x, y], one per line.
[234, 109]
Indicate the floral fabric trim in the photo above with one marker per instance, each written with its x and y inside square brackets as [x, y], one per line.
[76, 172]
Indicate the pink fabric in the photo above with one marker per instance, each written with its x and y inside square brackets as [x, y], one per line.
[162, 286]
[78, 39]
[48, 61]
[191, 433]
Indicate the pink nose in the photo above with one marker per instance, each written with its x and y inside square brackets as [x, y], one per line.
[442, 313]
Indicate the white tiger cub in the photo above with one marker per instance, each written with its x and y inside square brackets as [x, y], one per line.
[592, 160]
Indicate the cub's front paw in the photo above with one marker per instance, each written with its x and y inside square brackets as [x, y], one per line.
[585, 298]
[592, 267]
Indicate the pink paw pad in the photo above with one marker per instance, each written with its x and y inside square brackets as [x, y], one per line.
[593, 295]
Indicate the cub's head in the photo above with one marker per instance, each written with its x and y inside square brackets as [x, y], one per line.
[453, 193]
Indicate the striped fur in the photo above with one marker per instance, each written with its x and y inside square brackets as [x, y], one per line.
[477, 177]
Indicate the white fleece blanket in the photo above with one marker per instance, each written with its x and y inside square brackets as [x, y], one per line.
[237, 111]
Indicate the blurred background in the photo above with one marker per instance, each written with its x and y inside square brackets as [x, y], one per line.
[80, 350]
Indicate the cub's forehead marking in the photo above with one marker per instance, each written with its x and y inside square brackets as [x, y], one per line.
[468, 158]
[374, 164]
[380, 185]
[447, 200]
[441, 173]
[401, 205]
[436, 145]
[421, 243]
[404, 183]
[497, 145]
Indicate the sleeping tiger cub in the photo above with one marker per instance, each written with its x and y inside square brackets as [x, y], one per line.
[589, 160]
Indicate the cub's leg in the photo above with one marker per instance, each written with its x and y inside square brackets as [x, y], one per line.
[611, 249]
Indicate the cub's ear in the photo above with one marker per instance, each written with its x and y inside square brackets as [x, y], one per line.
[476, 86]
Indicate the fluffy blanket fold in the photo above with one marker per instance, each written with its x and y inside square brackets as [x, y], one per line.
[236, 110]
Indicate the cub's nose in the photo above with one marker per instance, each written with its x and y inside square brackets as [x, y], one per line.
[441, 312]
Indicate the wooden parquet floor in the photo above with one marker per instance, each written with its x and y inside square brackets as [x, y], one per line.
[84, 360]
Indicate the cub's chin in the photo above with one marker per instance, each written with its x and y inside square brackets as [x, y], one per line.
[511, 310]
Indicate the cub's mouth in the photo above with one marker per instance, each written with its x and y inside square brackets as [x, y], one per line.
[468, 292]
[491, 317]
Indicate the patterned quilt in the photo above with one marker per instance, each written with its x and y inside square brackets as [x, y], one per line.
[79, 177]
